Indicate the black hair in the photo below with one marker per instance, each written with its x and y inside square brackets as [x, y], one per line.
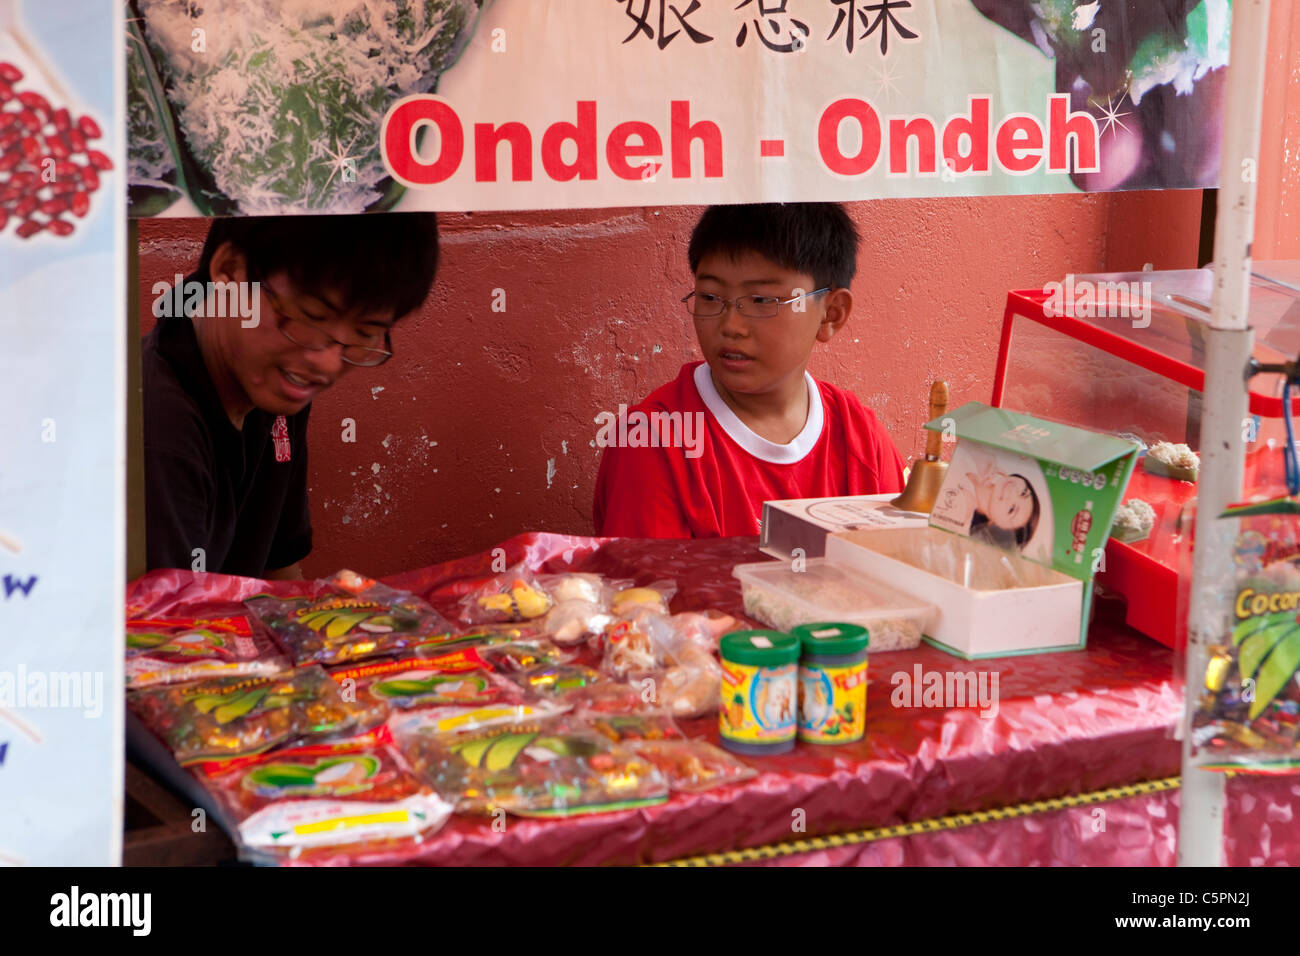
[983, 530]
[376, 263]
[817, 238]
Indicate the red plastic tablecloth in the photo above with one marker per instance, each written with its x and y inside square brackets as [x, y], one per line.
[1066, 723]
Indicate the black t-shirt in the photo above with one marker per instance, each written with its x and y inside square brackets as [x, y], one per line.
[208, 484]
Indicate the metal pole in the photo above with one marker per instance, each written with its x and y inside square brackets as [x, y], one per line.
[1228, 346]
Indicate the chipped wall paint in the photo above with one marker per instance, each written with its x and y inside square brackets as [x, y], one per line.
[474, 400]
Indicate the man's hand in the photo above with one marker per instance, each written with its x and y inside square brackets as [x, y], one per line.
[292, 573]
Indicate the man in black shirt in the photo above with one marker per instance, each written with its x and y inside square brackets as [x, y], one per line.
[230, 371]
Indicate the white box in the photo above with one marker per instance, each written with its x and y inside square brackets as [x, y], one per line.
[972, 623]
[804, 523]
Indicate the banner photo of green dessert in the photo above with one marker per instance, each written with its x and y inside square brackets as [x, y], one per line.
[257, 107]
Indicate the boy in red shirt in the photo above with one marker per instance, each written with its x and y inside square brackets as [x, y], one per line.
[702, 453]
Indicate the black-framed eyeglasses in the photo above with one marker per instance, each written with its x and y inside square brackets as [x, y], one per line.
[706, 305]
[313, 338]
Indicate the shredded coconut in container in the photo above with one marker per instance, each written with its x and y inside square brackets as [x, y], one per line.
[283, 104]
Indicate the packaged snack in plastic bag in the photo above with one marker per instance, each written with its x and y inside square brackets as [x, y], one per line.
[612, 697]
[555, 681]
[229, 717]
[481, 636]
[622, 728]
[674, 653]
[571, 622]
[653, 597]
[350, 618]
[515, 595]
[523, 655]
[459, 678]
[693, 687]
[546, 768]
[172, 650]
[346, 791]
[691, 766]
[436, 721]
[1249, 715]
[574, 586]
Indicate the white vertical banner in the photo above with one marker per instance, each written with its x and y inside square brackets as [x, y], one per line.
[62, 441]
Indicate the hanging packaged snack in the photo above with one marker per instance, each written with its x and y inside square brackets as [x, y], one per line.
[175, 649]
[230, 717]
[349, 618]
[343, 792]
[459, 678]
[513, 596]
[692, 766]
[546, 768]
[1249, 715]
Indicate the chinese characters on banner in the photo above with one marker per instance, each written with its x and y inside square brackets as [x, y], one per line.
[517, 104]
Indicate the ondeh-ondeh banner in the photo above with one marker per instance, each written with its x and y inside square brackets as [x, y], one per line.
[246, 107]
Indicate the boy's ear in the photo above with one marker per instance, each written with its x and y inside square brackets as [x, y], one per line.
[228, 264]
[838, 305]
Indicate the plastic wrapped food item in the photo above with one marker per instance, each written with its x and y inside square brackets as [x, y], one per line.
[654, 597]
[622, 728]
[231, 717]
[460, 678]
[691, 766]
[571, 622]
[437, 721]
[631, 649]
[591, 588]
[555, 681]
[611, 697]
[671, 652]
[1249, 715]
[350, 618]
[692, 688]
[172, 650]
[346, 791]
[523, 655]
[547, 768]
[513, 596]
[482, 636]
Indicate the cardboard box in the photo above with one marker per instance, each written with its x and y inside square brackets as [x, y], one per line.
[804, 523]
[1035, 492]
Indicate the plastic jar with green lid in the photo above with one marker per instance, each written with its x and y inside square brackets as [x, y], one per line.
[832, 682]
[760, 691]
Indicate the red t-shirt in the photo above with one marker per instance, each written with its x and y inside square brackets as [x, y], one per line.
[710, 474]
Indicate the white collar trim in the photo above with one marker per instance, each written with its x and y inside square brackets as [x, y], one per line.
[755, 444]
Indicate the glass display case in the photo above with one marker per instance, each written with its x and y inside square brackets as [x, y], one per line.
[1124, 353]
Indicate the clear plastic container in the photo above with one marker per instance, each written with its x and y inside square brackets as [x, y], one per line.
[783, 598]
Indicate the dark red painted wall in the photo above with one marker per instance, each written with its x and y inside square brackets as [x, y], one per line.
[482, 424]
